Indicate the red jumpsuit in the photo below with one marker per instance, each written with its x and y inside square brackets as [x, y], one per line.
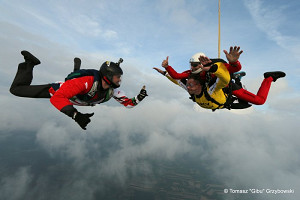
[75, 91]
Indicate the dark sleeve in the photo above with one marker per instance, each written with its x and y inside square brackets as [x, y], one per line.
[213, 68]
[69, 110]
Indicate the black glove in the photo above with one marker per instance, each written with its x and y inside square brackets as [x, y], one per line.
[142, 94]
[82, 119]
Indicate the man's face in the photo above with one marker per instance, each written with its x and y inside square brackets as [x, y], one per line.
[195, 66]
[193, 86]
[117, 79]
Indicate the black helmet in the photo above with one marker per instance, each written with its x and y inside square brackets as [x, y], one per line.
[108, 70]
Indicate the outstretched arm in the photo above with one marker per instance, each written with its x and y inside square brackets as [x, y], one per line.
[175, 81]
[160, 71]
[129, 102]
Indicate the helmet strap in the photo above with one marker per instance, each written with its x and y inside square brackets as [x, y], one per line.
[106, 80]
[197, 71]
[111, 84]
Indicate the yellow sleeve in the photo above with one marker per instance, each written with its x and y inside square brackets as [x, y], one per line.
[223, 78]
[176, 81]
[171, 79]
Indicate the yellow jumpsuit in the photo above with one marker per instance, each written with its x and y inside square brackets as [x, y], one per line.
[215, 91]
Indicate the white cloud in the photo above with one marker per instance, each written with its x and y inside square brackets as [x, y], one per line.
[87, 26]
[247, 147]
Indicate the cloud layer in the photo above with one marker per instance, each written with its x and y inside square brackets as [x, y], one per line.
[255, 148]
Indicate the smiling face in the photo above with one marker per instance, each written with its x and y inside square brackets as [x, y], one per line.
[193, 86]
[116, 79]
[114, 82]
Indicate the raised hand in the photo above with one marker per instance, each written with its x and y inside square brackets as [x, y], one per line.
[165, 63]
[205, 63]
[234, 54]
[142, 94]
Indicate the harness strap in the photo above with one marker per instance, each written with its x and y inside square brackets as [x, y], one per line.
[209, 98]
[229, 98]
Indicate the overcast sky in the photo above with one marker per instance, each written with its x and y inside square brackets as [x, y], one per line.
[258, 147]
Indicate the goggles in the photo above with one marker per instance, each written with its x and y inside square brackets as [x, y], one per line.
[195, 64]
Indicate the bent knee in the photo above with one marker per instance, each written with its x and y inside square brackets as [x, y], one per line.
[259, 101]
[14, 91]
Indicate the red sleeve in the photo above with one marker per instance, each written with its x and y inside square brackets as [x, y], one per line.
[124, 100]
[233, 67]
[176, 75]
[70, 89]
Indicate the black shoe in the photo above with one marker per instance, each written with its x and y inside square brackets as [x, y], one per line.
[275, 75]
[77, 63]
[29, 58]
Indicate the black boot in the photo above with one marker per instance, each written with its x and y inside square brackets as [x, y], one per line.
[77, 63]
[275, 75]
[29, 58]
